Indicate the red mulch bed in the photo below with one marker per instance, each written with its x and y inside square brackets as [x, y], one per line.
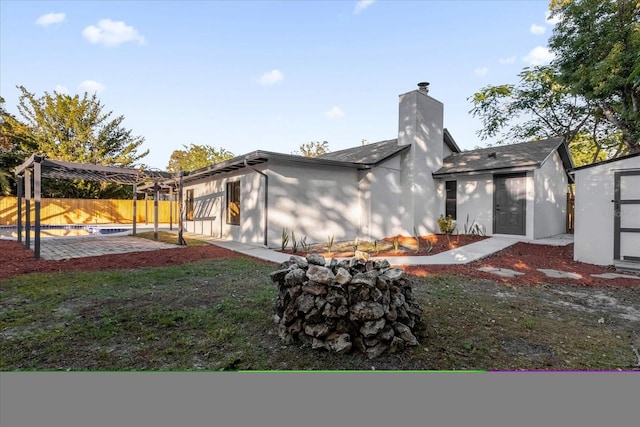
[407, 246]
[527, 258]
[523, 257]
[16, 260]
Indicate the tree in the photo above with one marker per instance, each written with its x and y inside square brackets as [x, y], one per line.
[541, 107]
[597, 45]
[313, 149]
[15, 138]
[196, 157]
[75, 129]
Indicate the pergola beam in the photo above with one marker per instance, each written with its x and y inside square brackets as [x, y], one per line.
[37, 167]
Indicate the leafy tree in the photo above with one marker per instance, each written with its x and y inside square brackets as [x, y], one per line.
[541, 107]
[196, 157]
[313, 149]
[75, 129]
[597, 47]
[15, 138]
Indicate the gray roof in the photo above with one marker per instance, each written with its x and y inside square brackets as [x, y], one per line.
[369, 154]
[515, 156]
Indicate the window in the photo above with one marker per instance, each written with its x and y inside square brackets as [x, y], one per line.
[233, 203]
[189, 205]
[451, 203]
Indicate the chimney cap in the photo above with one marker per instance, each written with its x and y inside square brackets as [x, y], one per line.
[423, 87]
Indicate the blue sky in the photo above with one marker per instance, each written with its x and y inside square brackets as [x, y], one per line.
[262, 75]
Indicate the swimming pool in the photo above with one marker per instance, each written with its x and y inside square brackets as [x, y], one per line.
[62, 230]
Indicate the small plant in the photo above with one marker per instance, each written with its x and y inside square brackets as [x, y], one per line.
[396, 244]
[305, 246]
[375, 247]
[429, 246]
[417, 237]
[294, 243]
[330, 243]
[446, 224]
[355, 245]
[473, 229]
[285, 239]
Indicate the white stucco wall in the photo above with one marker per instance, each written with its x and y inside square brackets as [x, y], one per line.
[382, 202]
[210, 203]
[594, 211]
[420, 124]
[316, 201]
[550, 209]
[475, 199]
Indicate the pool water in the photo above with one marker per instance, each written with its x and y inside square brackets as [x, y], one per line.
[11, 231]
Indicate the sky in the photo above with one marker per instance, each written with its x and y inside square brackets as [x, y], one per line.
[264, 75]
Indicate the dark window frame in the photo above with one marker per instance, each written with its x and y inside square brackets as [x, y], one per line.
[233, 203]
[451, 199]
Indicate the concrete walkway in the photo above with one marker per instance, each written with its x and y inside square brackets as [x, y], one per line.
[463, 255]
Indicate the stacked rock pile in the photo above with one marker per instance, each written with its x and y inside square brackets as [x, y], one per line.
[349, 303]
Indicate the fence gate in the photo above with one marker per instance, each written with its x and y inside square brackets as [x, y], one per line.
[626, 223]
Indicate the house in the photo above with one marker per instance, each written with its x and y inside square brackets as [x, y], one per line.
[607, 212]
[398, 186]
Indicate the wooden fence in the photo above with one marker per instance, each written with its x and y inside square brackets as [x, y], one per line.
[90, 211]
[571, 212]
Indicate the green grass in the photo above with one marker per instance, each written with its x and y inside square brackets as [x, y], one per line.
[169, 237]
[217, 315]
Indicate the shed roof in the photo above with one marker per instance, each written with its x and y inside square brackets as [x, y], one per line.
[604, 162]
[514, 156]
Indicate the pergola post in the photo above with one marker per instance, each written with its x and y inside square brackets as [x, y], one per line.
[171, 208]
[155, 210]
[135, 207]
[19, 182]
[181, 207]
[27, 208]
[37, 188]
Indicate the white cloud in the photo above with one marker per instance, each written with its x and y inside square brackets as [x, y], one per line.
[362, 5]
[112, 33]
[481, 71]
[51, 18]
[270, 78]
[91, 86]
[509, 60]
[537, 29]
[552, 20]
[539, 56]
[334, 113]
[61, 89]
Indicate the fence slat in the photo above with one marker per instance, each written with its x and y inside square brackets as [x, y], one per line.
[86, 211]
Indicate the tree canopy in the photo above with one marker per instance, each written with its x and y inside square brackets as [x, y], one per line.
[75, 129]
[589, 94]
[312, 149]
[196, 157]
[597, 47]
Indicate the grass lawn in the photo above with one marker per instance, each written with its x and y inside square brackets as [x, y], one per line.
[217, 315]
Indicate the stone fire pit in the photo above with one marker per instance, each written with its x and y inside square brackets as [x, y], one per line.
[344, 304]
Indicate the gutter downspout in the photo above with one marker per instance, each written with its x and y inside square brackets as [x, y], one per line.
[266, 199]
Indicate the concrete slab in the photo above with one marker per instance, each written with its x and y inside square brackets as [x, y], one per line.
[557, 274]
[85, 246]
[615, 276]
[503, 272]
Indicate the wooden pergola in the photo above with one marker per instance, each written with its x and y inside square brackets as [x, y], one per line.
[29, 182]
